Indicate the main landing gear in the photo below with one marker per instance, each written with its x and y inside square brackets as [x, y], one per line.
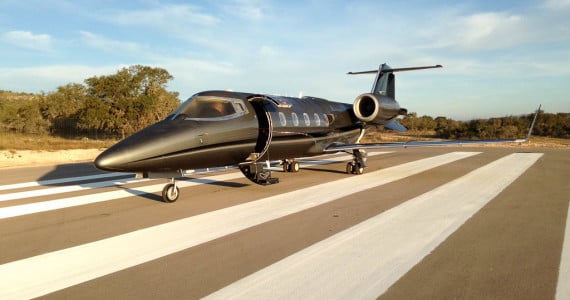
[358, 163]
[290, 165]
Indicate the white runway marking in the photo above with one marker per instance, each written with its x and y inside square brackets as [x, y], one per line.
[362, 262]
[64, 189]
[59, 181]
[563, 287]
[31, 208]
[46, 273]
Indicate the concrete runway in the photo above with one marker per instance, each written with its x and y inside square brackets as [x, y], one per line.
[443, 223]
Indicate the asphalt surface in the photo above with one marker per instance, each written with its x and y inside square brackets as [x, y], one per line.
[440, 223]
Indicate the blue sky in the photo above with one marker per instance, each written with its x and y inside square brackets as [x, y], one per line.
[500, 57]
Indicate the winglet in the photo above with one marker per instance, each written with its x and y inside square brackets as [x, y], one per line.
[527, 138]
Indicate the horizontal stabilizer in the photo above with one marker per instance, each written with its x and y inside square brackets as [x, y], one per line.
[387, 70]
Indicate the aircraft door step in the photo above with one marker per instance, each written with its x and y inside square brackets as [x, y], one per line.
[257, 173]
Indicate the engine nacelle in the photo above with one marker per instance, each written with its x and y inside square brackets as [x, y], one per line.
[376, 109]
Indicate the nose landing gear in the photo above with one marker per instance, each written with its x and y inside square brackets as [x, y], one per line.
[170, 192]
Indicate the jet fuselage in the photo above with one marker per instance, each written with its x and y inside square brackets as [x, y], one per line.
[249, 127]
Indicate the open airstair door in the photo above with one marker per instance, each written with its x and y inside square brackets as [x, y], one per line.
[253, 169]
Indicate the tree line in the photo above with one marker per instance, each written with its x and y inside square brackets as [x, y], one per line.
[104, 106]
[547, 124]
[114, 106]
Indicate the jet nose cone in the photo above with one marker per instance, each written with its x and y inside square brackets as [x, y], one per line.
[111, 160]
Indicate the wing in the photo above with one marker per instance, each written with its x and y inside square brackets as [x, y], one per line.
[346, 147]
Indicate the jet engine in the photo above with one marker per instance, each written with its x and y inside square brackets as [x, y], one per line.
[375, 108]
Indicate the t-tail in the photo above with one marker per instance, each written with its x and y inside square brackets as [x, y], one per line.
[379, 107]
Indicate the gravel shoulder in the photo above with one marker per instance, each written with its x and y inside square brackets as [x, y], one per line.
[24, 158]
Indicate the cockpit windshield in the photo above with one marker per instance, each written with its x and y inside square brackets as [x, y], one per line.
[207, 107]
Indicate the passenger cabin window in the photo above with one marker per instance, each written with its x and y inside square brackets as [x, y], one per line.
[317, 119]
[211, 108]
[295, 119]
[326, 120]
[307, 119]
[282, 119]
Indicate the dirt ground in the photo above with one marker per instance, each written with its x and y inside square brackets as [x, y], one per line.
[18, 158]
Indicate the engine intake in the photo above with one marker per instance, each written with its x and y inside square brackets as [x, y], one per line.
[374, 108]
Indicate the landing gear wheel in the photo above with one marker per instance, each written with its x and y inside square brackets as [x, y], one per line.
[290, 166]
[294, 167]
[286, 166]
[170, 193]
[358, 169]
[349, 168]
[354, 168]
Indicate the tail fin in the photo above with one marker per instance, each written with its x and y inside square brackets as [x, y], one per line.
[385, 84]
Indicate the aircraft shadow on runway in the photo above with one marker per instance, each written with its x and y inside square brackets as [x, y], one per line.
[313, 169]
[69, 171]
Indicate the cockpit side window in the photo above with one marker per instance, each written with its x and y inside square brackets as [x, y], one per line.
[211, 108]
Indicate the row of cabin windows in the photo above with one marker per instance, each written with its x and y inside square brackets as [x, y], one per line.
[317, 120]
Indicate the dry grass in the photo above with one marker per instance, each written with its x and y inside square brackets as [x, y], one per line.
[14, 142]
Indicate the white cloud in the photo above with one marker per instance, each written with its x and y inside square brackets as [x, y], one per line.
[557, 4]
[247, 9]
[27, 39]
[165, 16]
[193, 75]
[491, 30]
[109, 45]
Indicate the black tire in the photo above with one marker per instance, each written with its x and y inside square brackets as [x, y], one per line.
[358, 169]
[349, 168]
[286, 167]
[170, 193]
[295, 167]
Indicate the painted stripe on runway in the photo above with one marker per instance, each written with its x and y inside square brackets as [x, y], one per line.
[32, 208]
[59, 181]
[110, 175]
[363, 261]
[65, 189]
[60, 269]
[563, 287]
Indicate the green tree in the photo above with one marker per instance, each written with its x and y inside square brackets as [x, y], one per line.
[28, 119]
[128, 101]
[60, 108]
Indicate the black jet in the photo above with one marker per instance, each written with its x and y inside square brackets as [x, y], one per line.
[222, 128]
